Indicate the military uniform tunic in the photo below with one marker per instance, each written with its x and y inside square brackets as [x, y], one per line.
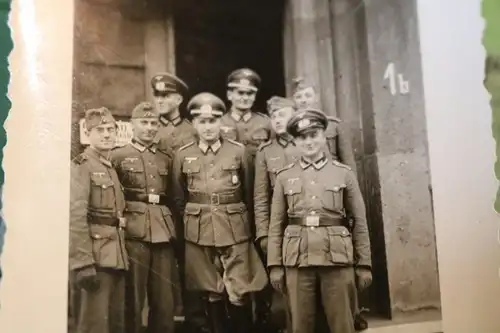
[211, 188]
[309, 237]
[175, 133]
[339, 142]
[97, 239]
[144, 174]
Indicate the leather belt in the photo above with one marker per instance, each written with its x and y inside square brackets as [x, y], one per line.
[107, 220]
[154, 199]
[214, 198]
[320, 221]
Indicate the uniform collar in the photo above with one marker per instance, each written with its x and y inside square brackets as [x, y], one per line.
[284, 140]
[141, 147]
[205, 148]
[318, 164]
[175, 122]
[238, 115]
[97, 155]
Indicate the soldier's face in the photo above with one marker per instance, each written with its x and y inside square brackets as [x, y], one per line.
[280, 118]
[208, 128]
[102, 137]
[167, 102]
[241, 98]
[145, 129]
[311, 142]
[305, 98]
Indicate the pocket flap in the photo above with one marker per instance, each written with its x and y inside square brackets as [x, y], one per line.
[190, 166]
[230, 165]
[132, 165]
[293, 186]
[293, 231]
[136, 207]
[163, 171]
[100, 231]
[338, 231]
[336, 188]
[101, 179]
[192, 209]
[236, 208]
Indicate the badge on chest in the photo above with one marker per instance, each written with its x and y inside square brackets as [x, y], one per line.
[234, 179]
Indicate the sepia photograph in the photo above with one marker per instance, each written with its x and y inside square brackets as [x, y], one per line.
[287, 166]
[249, 166]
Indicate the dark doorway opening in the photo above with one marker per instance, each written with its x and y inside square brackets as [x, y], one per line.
[216, 37]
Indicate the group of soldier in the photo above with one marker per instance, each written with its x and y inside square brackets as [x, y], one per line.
[222, 216]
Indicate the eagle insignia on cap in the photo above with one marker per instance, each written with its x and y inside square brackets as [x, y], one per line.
[149, 114]
[245, 82]
[160, 85]
[206, 108]
[304, 123]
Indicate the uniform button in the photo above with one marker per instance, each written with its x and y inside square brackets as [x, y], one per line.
[215, 209]
[211, 164]
[313, 182]
[152, 176]
[313, 212]
[212, 178]
[314, 197]
[312, 228]
[290, 191]
[152, 190]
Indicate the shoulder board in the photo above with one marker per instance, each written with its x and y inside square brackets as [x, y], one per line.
[286, 167]
[335, 119]
[236, 143]
[166, 151]
[80, 159]
[263, 115]
[186, 146]
[187, 121]
[337, 163]
[264, 145]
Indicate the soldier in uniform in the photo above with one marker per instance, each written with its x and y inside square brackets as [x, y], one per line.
[168, 92]
[338, 138]
[98, 258]
[309, 242]
[340, 147]
[143, 170]
[211, 177]
[176, 131]
[251, 129]
[271, 157]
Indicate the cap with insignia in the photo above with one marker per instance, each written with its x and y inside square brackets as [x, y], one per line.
[99, 116]
[306, 120]
[244, 78]
[206, 105]
[163, 83]
[144, 110]
[276, 103]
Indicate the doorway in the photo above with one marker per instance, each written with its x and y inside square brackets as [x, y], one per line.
[216, 37]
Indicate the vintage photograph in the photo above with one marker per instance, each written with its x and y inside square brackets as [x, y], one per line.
[249, 166]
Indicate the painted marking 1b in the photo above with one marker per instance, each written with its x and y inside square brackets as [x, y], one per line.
[396, 81]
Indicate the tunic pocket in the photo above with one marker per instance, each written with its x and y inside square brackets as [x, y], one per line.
[293, 190]
[135, 213]
[231, 169]
[133, 170]
[333, 198]
[291, 246]
[341, 247]
[192, 215]
[169, 222]
[105, 245]
[191, 168]
[238, 218]
[102, 193]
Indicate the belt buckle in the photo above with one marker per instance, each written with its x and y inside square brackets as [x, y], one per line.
[312, 221]
[154, 199]
[122, 222]
[214, 199]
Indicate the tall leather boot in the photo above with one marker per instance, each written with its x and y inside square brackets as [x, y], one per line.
[241, 318]
[217, 316]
